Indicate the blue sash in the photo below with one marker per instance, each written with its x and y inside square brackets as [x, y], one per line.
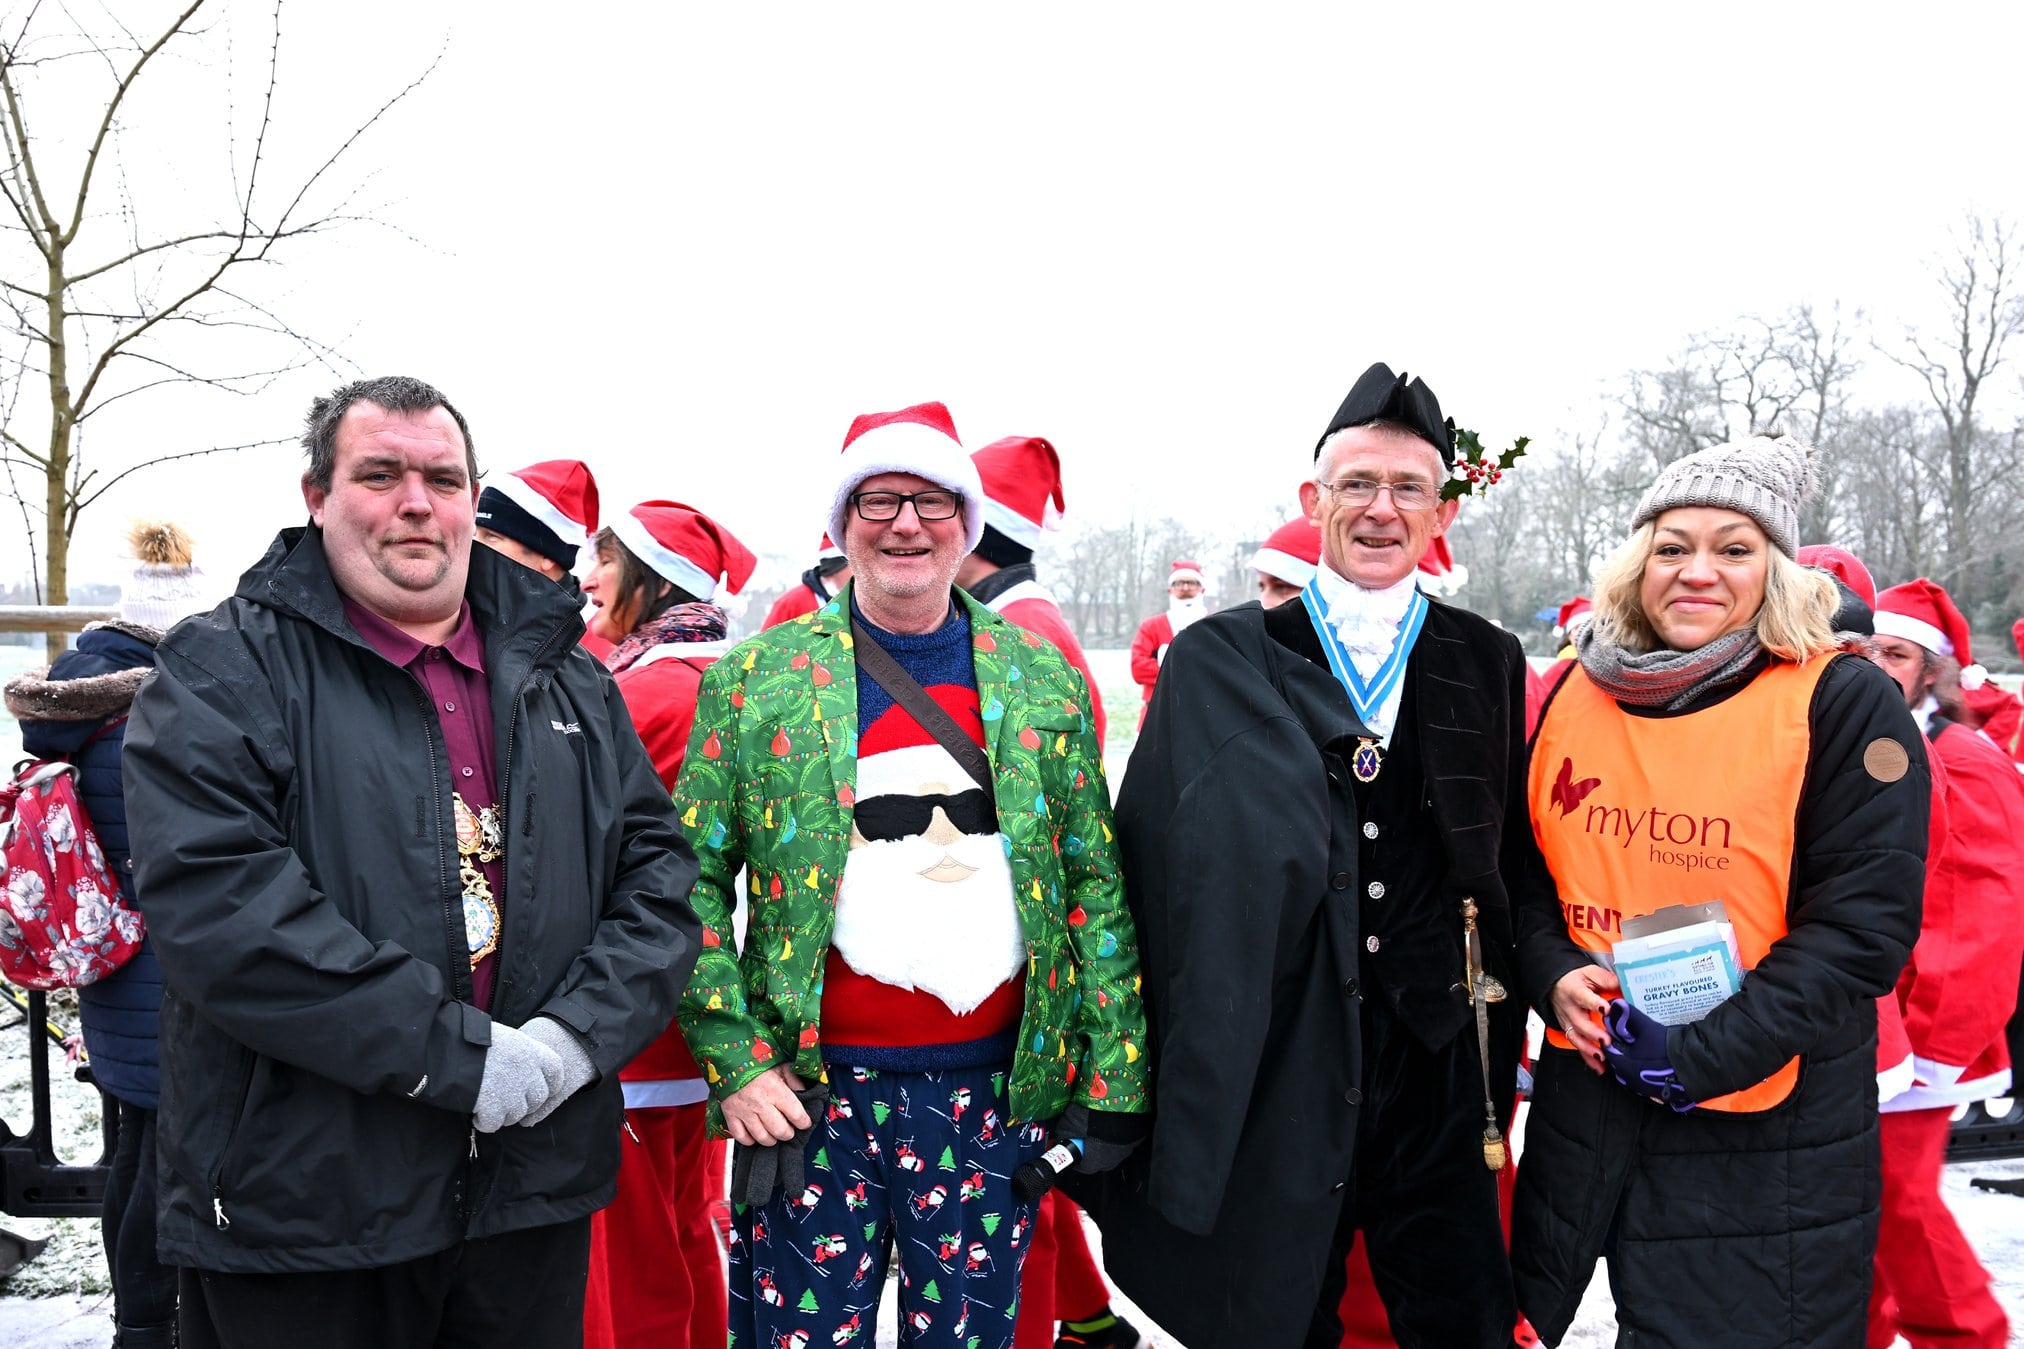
[1366, 696]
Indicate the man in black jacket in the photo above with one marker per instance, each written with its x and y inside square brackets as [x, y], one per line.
[417, 893]
[1318, 791]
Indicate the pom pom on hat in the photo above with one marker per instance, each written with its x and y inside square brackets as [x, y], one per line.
[1922, 611]
[920, 440]
[1290, 553]
[683, 546]
[1764, 477]
[166, 585]
[1439, 573]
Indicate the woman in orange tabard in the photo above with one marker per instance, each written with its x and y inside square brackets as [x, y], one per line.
[1713, 745]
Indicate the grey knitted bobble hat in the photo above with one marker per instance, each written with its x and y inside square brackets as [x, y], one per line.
[1765, 477]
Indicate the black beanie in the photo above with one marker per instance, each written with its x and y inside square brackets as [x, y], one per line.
[503, 515]
[999, 550]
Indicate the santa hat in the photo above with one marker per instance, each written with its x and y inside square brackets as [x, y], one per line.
[827, 549]
[1022, 488]
[1290, 553]
[920, 440]
[551, 507]
[1573, 615]
[1440, 574]
[166, 585]
[1921, 611]
[1843, 565]
[2017, 635]
[682, 545]
[1184, 570]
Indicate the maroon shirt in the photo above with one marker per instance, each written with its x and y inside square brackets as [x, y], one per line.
[453, 675]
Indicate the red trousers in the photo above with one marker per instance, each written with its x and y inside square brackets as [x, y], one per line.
[1929, 1286]
[656, 1262]
[1061, 1281]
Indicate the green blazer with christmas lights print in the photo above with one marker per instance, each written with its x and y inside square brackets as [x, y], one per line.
[769, 785]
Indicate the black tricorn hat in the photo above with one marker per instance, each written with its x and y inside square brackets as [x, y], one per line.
[1381, 396]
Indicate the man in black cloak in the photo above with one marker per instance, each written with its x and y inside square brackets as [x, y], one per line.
[1320, 826]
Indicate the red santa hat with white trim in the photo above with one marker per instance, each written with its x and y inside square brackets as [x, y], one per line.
[1574, 615]
[683, 546]
[920, 440]
[1022, 488]
[1923, 612]
[1184, 570]
[1290, 553]
[551, 507]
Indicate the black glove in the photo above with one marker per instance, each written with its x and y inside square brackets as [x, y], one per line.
[1104, 1138]
[761, 1174]
[1637, 1056]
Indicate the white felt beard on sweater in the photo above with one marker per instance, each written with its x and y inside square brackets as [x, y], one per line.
[958, 939]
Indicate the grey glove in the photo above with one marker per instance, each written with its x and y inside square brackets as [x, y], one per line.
[1103, 1138]
[759, 1175]
[578, 1071]
[521, 1074]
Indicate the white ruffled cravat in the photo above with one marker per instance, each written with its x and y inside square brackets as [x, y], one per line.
[1365, 621]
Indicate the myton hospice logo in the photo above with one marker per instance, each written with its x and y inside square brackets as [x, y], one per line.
[1567, 793]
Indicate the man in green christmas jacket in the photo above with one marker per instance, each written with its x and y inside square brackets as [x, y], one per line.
[937, 981]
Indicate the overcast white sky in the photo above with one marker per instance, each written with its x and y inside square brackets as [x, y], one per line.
[687, 243]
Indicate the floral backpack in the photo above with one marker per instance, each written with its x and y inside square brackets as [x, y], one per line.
[63, 922]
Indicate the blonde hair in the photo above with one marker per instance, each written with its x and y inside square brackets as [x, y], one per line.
[1795, 621]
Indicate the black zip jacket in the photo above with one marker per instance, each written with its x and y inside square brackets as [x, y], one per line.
[290, 795]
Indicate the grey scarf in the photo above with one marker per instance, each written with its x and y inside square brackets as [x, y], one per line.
[1666, 678]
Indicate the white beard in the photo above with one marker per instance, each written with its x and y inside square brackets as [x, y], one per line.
[958, 940]
[1180, 613]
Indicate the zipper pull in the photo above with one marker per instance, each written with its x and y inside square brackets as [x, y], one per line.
[474, 1145]
[218, 1211]
[634, 1133]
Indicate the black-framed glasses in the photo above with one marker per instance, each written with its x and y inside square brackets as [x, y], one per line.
[879, 506]
[1406, 496]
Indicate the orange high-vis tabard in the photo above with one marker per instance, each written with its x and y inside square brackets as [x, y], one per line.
[1636, 813]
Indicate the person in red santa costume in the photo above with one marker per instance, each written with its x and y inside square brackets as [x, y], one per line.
[1023, 499]
[1956, 993]
[541, 516]
[1184, 605]
[1285, 562]
[656, 1270]
[817, 586]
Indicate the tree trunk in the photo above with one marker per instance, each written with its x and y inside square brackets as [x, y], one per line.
[56, 480]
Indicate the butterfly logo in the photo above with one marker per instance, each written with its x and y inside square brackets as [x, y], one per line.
[1567, 793]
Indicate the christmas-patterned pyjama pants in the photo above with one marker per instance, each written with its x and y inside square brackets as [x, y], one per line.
[918, 1162]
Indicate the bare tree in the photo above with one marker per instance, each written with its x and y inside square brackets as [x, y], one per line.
[103, 307]
[1984, 310]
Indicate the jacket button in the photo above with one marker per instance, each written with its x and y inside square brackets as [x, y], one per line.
[1371, 944]
[1353, 1097]
[1370, 828]
[1375, 889]
[1350, 986]
[1340, 880]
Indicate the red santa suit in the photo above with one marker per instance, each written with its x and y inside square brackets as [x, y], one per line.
[656, 1274]
[1156, 634]
[1956, 995]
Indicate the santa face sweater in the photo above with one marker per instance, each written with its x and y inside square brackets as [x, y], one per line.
[925, 963]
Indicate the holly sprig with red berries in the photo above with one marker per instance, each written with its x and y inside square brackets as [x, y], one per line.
[1475, 471]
